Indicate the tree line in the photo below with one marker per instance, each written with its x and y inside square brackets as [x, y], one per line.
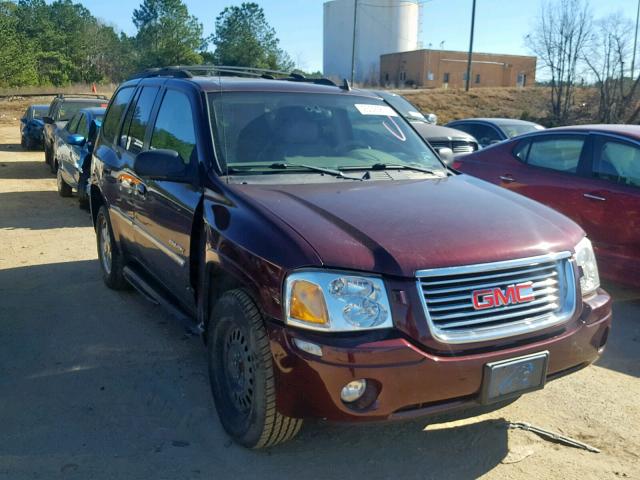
[576, 49]
[62, 42]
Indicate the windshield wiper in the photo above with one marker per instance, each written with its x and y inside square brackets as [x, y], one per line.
[384, 166]
[329, 171]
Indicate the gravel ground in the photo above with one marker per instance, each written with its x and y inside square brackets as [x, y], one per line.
[96, 384]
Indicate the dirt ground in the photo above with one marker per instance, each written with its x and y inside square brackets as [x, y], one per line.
[96, 384]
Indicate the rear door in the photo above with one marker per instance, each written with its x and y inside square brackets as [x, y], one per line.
[131, 141]
[611, 199]
[164, 210]
[109, 166]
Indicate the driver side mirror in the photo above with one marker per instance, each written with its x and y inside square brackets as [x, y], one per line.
[161, 165]
[446, 155]
[23, 120]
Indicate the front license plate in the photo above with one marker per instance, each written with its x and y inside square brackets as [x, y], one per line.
[511, 378]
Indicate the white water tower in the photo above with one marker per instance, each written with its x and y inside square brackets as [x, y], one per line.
[381, 26]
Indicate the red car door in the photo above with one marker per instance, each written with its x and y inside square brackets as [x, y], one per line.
[552, 166]
[611, 200]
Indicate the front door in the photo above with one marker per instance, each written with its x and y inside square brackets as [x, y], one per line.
[552, 172]
[164, 210]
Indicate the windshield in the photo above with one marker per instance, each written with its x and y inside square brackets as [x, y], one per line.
[69, 109]
[401, 104]
[257, 130]
[512, 130]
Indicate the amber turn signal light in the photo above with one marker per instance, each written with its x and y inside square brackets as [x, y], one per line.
[307, 303]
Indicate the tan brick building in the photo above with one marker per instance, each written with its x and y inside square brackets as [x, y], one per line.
[446, 68]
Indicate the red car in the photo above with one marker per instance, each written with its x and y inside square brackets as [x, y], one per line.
[590, 173]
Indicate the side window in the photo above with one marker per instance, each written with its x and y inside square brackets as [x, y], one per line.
[137, 120]
[72, 126]
[174, 128]
[83, 126]
[618, 162]
[559, 153]
[114, 114]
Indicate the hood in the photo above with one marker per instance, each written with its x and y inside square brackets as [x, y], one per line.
[436, 132]
[398, 227]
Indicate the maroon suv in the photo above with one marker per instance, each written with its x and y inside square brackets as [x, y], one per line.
[337, 268]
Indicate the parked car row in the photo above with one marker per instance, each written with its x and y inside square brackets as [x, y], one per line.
[335, 265]
[66, 130]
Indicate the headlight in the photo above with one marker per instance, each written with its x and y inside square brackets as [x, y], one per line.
[336, 302]
[586, 260]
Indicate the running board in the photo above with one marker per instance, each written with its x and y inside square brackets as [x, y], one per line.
[138, 282]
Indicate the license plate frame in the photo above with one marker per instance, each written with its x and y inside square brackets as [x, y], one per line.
[513, 377]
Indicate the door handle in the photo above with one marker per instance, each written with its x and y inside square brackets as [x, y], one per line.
[507, 178]
[141, 189]
[591, 196]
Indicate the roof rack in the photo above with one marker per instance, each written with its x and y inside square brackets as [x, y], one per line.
[72, 95]
[188, 71]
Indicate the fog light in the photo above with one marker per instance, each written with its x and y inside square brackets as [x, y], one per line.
[352, 391]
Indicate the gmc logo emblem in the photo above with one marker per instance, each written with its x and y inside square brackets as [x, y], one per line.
[496, 297]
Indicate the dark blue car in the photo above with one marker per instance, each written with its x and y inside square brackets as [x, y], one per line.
[31, 125]
[73, 147]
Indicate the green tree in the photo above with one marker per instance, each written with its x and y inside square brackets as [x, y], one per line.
[167, 34]
[243, 37]
[16, 52]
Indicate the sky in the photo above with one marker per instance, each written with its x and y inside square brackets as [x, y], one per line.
[501, 25]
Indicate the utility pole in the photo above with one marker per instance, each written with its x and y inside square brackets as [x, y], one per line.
[635, 43]
[473, 23]
[353, 43]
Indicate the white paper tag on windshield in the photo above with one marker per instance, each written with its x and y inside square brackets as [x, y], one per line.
[383, 110]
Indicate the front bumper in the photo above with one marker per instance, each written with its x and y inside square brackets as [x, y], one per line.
[413, 382]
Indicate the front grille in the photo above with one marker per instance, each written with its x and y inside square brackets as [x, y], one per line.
[458, 146]
[448, 298]
[442, 144]
[463, 147]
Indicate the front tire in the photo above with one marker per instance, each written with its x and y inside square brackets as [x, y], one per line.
[64, 190]
[241, 373]
[109, 256]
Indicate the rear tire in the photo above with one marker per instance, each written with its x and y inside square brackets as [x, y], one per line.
[24, 144]
[64, 190]
[110, 258]
[241, 373]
